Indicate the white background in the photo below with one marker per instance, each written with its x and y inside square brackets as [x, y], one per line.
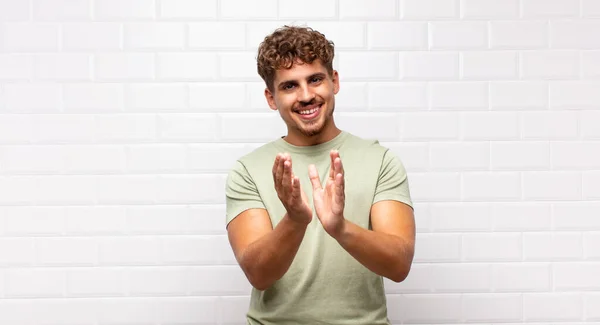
[119, 120]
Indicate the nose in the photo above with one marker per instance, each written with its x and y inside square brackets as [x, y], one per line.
[305, 95]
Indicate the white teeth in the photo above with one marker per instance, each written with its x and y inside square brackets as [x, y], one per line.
[310, 111]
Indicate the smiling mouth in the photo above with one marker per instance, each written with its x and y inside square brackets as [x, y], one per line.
[310, 112]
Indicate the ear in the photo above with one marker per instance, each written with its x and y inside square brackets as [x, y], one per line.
[336, 82]
[270, 99]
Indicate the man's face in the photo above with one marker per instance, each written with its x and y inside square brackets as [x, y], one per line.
[304, 97]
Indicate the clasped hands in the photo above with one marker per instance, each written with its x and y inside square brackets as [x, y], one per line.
[328, 199]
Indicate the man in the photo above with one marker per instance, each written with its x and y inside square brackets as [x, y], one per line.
[316, 218]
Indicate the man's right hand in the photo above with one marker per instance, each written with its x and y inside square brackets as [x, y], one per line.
[289, 190]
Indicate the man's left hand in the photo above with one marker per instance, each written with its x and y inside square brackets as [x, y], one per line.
[329, 199]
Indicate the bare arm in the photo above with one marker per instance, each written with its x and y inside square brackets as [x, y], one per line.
[264, 254]
[388, 249]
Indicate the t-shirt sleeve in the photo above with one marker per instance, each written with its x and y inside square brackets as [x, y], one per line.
[241, 193]
[393, 181]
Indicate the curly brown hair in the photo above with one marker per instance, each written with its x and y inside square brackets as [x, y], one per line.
[288, 44]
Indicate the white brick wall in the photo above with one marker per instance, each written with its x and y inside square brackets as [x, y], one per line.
[120, 119]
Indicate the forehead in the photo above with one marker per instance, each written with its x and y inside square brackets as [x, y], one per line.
[299, 70]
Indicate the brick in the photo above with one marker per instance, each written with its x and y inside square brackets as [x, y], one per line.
[217, 97]
[521, 277]
[345, 34]
[126, 189]
[518, 34]
[239, 66]
[291, 10]
[575, 155]
[354, 9]
[389, 129]
[518, 95]
[574, 34]
[256, 31]
[61, 10]
[154, 36]
[552, 307]
[93, 159]
[492, 247]
[590, 8]
[231, 35]
[17, 190]
[574, 94]
[16, 251]
[550, 9]
[490, 65]
[31, 37]
[492, 307]
[458, 35]
[376, 66]
[153, 97]
[97, 36]
[34, 283]
[95, 220]
[126, 127]
[177, 189]
[195, 250]
[189, 310]
[418, 281]
[521, 216]
[458, 95]
[591, 303]
[96, 97]
[429, 9]
[124, 9]
[67, 251]
[156, 158]
[130, 251]
[16, 129]
[522, 155]
[552, 246]
[32, 221]
[393, 96]
[429, 66]
[74, 190]
[223, 155]
[188, 127]
[430, 308]
[52, 129]
[555, 125]
[210, 280]
[435, 186]
[430, 126]
[460, 156]
[206, 219]
[15, 67]
[591, 240]
[11, 11]
[576, 276]
[62, 67]
[96, 282]
[437, 248]
[489, 9]
[407, 35]
[591, 185]
[187, 9]
[590, 64]
[157, 281]
[46, 99]
[449, 278]
[589, 121]
[478, 186]
[542, 185]
[549, 64]
[157, 219]
[576, 216]
[124, 66]
[261, 9]
[460, 217]
[256, 127]
[414, 155]
[353, 97]
[490, 126]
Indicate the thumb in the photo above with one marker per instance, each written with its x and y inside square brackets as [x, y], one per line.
[314, 177]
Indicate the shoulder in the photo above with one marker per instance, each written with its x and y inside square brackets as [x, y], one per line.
[366, 147]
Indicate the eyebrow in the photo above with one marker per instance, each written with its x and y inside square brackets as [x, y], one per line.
[285, 82]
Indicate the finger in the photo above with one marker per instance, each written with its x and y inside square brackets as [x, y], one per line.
[279, 172]
[286, 181]
[332, 167]
[339, 189]
[339, 167]
[314, 177]
[296, 189]
[275, 167]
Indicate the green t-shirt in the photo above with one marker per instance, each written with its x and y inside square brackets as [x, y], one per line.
[324, 284]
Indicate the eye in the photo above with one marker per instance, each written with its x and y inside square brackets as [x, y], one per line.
[288, 87]
[316, 79]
